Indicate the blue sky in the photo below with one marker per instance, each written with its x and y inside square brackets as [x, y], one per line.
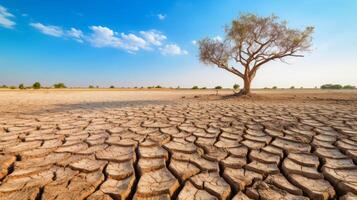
[149, 42]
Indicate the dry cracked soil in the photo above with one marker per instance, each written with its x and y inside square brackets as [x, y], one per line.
[196, 148]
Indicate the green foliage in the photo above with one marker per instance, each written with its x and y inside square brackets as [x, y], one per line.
[349, 87]
[36, 85]
[203, 88]
[3, 86]
[158, 86]
[112, 86]
[331, 86]
[21, 86]
[195, 87]
[59, 85]
[292, 87]
[12, 87]
[91, 86]
[218, 87]
[236, 86]
[274, 88]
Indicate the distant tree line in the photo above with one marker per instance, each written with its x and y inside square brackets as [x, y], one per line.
[337, 86]
[37, 85]
[59, 85]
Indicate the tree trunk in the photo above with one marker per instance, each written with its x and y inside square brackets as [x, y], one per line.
[246, 88]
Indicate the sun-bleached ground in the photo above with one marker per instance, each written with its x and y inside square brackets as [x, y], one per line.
[26, 100]
[40, 100]
[155, 144]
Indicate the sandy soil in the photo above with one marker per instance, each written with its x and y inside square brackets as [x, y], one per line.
[46, 99]
[37, 100]
[144, 144]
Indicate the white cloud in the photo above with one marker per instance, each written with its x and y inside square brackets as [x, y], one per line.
[132, 42]
[5, 18]
[153, 37]
[172, 49]
[217, 38]
[194, 42]
[55, 31]
[76, 34]
[103, 37]
[161, 16]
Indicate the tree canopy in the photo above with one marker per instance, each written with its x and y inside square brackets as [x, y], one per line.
[252, 41]
[36, 85]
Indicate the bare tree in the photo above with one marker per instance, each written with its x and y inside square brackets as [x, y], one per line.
[252, 41]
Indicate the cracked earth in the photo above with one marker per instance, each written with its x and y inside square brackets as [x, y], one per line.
[191, 149]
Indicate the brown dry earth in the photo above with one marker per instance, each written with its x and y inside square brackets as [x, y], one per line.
[157, 145]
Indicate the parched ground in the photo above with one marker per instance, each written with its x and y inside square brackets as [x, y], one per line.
[102, 144]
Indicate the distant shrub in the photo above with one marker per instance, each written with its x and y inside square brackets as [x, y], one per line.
[349, 87]
[90, 86]
[218, 87]
[112, 86]
[203, 88]
[4, 86]
[274, 88]
[59, 85]
[236, 86]
[292, 87]
[36, 85]
[12, 87]
[265, 88]
[21, 86]
[195, 87]
[331, 86]
[158, 86]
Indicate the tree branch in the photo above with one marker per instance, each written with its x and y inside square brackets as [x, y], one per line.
[253, 41]
[232, 70]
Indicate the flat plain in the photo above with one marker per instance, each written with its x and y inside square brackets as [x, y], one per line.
[178, 144]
